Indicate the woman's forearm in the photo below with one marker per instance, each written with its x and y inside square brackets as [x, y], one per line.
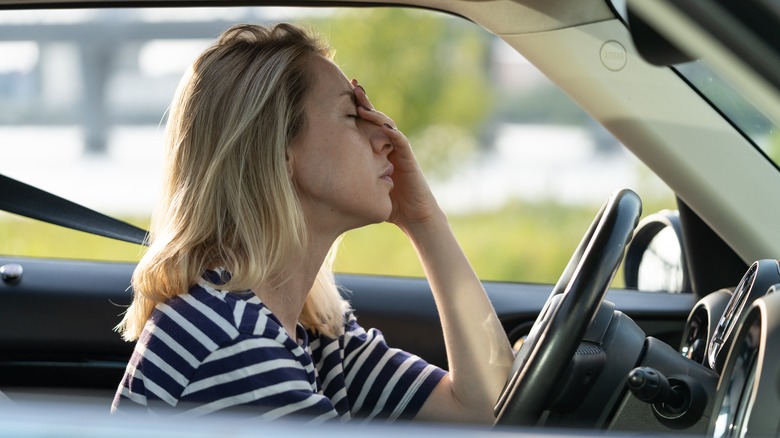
[478, 351]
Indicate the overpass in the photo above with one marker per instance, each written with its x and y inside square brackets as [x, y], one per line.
[99, 40]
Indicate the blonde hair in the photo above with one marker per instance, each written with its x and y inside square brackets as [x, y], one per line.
[228, 200]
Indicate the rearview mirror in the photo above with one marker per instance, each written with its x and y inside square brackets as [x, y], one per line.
[651, 45]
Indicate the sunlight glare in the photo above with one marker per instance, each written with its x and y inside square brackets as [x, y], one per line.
[163, 57]
[21, 56]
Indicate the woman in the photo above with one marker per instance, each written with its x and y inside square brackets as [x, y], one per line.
[272, 155]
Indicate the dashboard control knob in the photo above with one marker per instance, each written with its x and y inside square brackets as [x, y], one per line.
[649, 385]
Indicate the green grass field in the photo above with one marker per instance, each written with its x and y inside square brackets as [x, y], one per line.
[521, 242]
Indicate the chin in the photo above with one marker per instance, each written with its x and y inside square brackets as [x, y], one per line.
[383, 217]
[388, 212]
[371, 218]
[382, 212]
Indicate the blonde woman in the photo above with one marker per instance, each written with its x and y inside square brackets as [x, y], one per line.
[272, 154]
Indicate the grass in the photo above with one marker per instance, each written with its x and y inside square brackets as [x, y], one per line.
[529, 242]
[29, 238]
[522, 242]
[525, 242]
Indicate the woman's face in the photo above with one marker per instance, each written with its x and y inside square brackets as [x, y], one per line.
[339, 162]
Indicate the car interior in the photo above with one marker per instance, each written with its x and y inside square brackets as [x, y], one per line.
[681, 344]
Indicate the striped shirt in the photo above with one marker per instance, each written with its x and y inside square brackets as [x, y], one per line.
[210, 350]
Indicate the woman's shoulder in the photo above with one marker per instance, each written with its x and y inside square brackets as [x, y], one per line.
[213, 317]
[194, 321]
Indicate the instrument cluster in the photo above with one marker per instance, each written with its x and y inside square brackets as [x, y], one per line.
[729, 332]
[761, 275]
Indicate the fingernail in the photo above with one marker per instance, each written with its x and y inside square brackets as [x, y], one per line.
[361, 87]
[387, 125]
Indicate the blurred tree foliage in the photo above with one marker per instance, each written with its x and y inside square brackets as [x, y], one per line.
[429, 72]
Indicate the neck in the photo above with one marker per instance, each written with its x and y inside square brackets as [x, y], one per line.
[286, 299]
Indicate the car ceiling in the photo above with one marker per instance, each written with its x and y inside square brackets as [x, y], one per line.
[503, 17]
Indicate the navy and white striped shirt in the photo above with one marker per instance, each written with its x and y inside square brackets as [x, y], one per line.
[209, 350]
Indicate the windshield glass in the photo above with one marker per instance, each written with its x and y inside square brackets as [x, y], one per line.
[734, 106]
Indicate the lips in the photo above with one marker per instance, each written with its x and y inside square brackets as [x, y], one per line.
[387, 174]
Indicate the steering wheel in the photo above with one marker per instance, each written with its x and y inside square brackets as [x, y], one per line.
[575, 299]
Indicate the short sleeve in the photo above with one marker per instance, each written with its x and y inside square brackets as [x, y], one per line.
[383, 382]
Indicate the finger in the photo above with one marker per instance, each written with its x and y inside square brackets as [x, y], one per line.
[360, 95]
[374, 116]
[399, 140]
[366, 109]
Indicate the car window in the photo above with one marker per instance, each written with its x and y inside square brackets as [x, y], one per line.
[517, 166]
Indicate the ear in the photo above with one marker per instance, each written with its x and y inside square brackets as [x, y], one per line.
[288, 158]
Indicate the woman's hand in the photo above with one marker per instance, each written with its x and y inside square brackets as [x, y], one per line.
[413, 201]
[478, 351]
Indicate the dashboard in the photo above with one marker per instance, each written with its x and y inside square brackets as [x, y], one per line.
[733, 334]
[760, 276]
[701, 324]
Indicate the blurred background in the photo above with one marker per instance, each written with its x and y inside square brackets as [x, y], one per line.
[518, 167]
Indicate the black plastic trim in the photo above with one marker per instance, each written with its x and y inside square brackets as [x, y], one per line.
[64, 311]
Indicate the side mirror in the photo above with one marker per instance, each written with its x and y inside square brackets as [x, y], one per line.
[655, 259]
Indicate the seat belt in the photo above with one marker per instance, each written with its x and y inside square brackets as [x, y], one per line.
[28, 201]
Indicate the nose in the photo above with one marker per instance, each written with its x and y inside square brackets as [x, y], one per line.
[380, 142]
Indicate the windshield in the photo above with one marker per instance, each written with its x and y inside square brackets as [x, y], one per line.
[733, 106]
